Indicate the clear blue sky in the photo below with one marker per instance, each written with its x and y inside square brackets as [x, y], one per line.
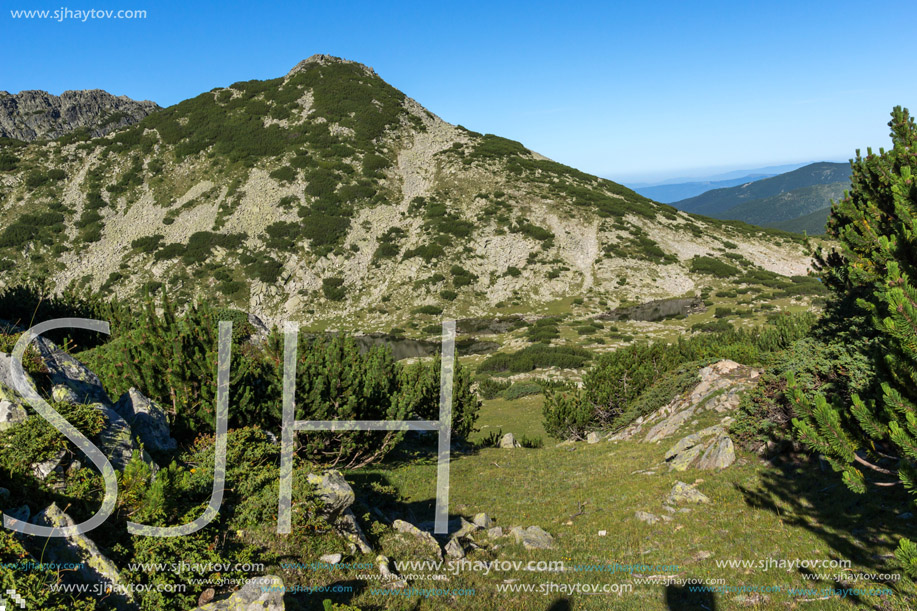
[621, 89]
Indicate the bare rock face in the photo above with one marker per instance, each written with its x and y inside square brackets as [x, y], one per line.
[39, 115]
[717, 393]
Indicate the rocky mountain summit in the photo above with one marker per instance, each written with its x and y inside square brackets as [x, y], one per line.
[39, 115]
[329, 196]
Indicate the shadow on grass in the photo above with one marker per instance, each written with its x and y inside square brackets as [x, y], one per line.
[681, 598]
[862, 528]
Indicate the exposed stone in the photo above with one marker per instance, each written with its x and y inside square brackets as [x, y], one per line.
[454, 548]
[719, 455]
[331, 558]
[66, 370]
[333, 491]
[509, 441]
[115, 439]
[37, 115]
[534, 537]
[42, 470]
[592, 437]
[11, 414]
[95, 567]
[390, 578]
[683, 460]
[482, 520]
[424, 536]
[644, 516]
[147, 421]
[348, 527]
[258, 594]
[495, 533]
[686, 493]
[63, 394]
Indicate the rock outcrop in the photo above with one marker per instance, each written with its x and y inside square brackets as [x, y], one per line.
[258, 594]
[39, 115]
[717, 393]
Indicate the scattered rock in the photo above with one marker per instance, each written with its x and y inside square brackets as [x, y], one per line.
[603, 533]
[258, 594]
[147, 421]
[534, 537]
[684, 459]
[907, 515]
[495, 533]
[686, 493]
[482, 520]
[206, 596]
[454, 548]
[644, 516]
[348, 527]
[331, 558]
[115, 440]
[701, 555]
[424, 536]
[11, 414]
[95, 567]
[63, 394]
[509, 441]
[391, 579]
[43, 470]
[592, 437]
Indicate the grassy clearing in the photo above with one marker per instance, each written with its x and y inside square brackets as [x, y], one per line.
[758, 512]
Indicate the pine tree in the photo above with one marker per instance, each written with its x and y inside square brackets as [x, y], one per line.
[874, 440]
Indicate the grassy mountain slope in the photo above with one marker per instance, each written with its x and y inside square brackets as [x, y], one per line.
[812, 224]
[718, 201]
[790, 207]
[329, 196]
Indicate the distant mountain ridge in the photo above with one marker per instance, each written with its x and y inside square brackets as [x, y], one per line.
[667, 194]
[777, 201]
[39, 115]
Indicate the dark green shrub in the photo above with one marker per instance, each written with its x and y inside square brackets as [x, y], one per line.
[333, 289]
[713, 267]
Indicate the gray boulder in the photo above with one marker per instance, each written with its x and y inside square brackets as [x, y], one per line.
[115, 439]
[95, 567]
[482, 520]
[686, 493]
[147, 420]
[333, 491]
[423, 536]
[258, 594]
[719, 455]
[66, 370]
[534, 537]
[11, 413]
[509, 441]
[592, 437]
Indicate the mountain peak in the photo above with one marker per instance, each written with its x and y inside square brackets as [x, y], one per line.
[321, 59]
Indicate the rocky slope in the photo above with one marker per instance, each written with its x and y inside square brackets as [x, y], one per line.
[39, 115]
[329, 196]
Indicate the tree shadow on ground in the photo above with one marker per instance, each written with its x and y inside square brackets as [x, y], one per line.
[681, 598]
[862, 528]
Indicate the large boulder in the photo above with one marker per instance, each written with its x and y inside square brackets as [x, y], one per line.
[115, 440]
[710, 448]
[66, 370]
[147, 420]
[333, 491]
[258, 594]
[94, 567]
[686, 493]
[509, 441]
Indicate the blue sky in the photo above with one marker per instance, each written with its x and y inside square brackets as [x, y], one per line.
[627, 90]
